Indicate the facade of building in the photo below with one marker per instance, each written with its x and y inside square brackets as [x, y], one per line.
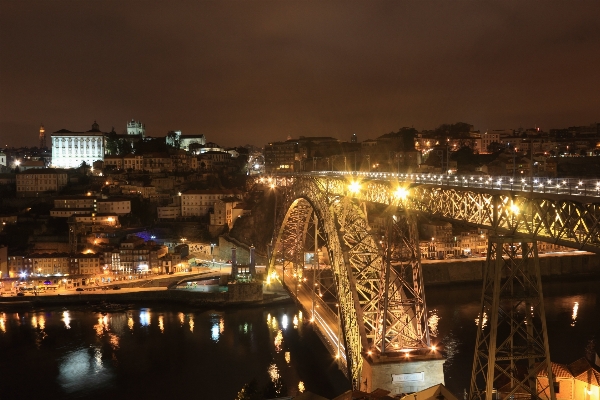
[86, 264]
[223, 213]
[280, 156]
[2, 159]
[16, 266]
[47, 264]
[578, 380]
[136, 128]
[35, 182]
[197, 203]
[168, 212]
[70, 149]
[114, 206]
[135, 256]
[108, 219]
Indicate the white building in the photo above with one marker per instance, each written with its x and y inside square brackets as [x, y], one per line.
[2, 159]
[70, 149]
[136, 128]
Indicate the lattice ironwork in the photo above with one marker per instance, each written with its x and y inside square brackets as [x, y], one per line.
[403, 318]
[571, 221]
[380, 308]
[512, 341]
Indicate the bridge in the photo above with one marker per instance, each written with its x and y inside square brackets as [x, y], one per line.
[363, 288]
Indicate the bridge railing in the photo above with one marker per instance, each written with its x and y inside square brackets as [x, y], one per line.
[561, 186]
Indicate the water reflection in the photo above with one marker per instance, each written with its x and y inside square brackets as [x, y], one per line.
[278, 341]
[284, 321]
[574, 315]
[214, 332]
[102, 325]
[287, 357]
[301, 387]
[181, 317]
[3, 323]
[483, 322]
[145, 317]
[295, 322]
[130, 321]
[273, 372]
[191, 323]
[432, 322]
[66, 319]
[83, 369]
[161, 324]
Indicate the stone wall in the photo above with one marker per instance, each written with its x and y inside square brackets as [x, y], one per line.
[402, 375]
[241, 292]
[471, 270]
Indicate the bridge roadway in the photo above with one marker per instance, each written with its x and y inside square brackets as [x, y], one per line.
[564, 211]
[325, 320]
[544, 185]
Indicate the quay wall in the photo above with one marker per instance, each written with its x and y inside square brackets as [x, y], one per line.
[240, 294]
[471, 270]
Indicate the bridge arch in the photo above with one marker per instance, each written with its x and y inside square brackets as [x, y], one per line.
[373, 312]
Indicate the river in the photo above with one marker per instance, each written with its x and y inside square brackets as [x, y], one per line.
[170, 351]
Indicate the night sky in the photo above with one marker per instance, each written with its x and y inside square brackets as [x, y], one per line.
[250, 72]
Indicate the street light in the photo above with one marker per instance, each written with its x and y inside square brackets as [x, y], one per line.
[212, 246]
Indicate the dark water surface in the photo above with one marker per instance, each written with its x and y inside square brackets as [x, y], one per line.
[170, 352]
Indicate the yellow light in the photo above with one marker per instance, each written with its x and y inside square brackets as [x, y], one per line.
[514, 209]
[433, 348]
[354, 187]
[401, 193]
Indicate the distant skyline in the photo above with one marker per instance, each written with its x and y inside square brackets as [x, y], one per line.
[258, 71]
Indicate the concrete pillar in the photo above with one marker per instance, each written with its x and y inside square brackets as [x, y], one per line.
[400, 374]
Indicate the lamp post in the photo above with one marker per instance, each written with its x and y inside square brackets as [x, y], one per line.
[212, 246]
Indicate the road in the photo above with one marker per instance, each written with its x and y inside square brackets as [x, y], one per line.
[325, 319]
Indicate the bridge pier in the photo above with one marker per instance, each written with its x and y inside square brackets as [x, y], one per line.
[402, 373]
[511, 349]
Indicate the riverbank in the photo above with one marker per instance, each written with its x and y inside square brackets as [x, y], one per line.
[237, 296]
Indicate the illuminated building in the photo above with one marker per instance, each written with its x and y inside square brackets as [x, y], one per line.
[70, 149]
[136, 128]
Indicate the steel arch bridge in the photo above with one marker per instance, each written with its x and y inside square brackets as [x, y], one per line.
[366, 294]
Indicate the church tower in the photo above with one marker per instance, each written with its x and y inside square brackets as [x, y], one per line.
[42, 137]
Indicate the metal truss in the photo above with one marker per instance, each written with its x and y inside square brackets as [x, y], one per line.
[403, 317]
[562, 219]
[557, 219]
[379, 293]
[512, 341]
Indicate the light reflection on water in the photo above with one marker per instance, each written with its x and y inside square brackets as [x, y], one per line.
[66, 319]
[82, 370]
[145, 317]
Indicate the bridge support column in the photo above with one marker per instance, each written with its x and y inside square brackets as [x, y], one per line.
[511, 350]
[401, 374]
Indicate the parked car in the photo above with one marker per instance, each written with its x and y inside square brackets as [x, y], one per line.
[20, 294]
[116, 287]
[79, 289]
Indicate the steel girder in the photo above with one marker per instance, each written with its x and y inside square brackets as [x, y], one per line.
[511, 349]
[559, 219]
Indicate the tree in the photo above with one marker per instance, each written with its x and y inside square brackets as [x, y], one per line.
[457, 130]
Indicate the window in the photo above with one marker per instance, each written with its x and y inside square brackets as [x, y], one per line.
[556, 387]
